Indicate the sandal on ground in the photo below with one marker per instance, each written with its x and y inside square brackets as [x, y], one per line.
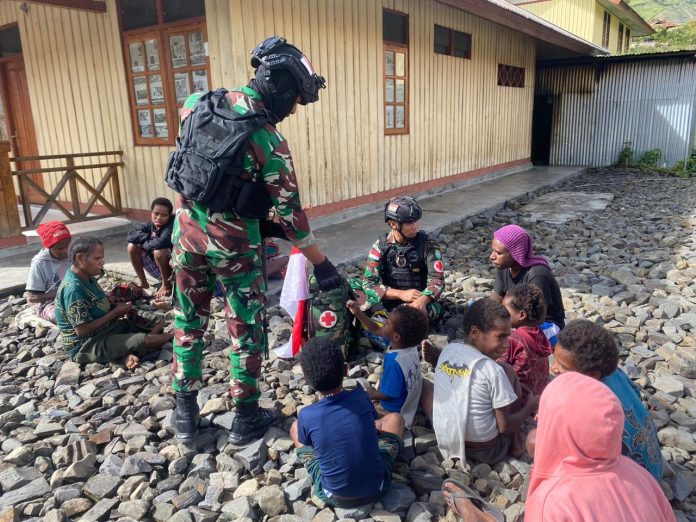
[474, 497]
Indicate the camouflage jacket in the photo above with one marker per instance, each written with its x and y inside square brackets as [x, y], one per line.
[267, 158]
[372, 277]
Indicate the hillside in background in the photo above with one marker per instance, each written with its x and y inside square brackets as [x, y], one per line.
[677, 11]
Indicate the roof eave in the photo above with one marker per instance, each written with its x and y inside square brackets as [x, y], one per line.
[527, 24]
[628, 15]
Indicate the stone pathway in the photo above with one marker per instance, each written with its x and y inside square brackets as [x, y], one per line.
[95, 444]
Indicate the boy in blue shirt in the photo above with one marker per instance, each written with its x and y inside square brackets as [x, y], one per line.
[402, 381]
[348, 453]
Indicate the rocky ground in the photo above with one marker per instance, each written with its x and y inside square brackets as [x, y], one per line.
[94, 443]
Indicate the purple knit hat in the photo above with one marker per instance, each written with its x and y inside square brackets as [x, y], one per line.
[519, 243]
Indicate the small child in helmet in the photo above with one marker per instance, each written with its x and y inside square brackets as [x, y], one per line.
[404, 266]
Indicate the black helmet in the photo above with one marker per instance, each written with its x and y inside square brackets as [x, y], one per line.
[276, 53]
[402, 209]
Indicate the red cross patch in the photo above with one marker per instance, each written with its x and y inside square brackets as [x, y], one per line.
[437, 265]
[328, 319]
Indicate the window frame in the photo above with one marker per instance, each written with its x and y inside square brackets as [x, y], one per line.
[619, 43]
[507, 70]
[450, 49]
[627, 40]
[606, 29]
[161, 33]
[396, 47]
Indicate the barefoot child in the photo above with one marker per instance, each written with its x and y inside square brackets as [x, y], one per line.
[48, 267]
[91, 329]
[475, 404]
[150, 246]
[587, 348]
[348, 453]
[528, 348]
[400, 385]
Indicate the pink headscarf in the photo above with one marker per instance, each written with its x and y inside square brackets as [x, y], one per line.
[579, 472]
[519, 243]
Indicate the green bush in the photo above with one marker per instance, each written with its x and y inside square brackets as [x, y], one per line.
[650, 158]
[625, 157]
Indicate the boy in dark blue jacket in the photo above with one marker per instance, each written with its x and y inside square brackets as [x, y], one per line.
[150, 246]
[348, 452]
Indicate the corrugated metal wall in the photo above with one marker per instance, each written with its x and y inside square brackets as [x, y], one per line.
[460, 119]
[598, 108]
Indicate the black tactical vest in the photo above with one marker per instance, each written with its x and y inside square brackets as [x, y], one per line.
[404, 267]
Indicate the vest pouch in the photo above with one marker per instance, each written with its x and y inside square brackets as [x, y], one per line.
[253, 201]
[193, 175]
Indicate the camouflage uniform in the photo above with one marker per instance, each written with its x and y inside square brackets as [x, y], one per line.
[375, 289]
[210, 246]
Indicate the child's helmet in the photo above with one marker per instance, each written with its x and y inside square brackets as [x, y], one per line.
[402, 209]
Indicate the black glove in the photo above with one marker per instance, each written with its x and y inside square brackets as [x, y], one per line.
[270, 228]
[327, 275]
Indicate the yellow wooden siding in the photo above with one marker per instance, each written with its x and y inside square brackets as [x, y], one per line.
[460, 120]
[575, 16]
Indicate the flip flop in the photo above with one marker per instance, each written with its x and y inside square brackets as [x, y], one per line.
[474, 497]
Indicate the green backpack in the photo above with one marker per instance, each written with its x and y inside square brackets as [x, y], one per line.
[326, 315]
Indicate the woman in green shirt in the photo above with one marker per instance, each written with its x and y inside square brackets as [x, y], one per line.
[92, 330]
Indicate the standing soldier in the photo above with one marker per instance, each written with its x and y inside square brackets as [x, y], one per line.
[222, 245]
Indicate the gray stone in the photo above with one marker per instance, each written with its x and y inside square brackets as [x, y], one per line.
[134, 465]
[298, 489]
[101, 486]
[136, 509]
[163, 512]
[675, 438]
[55, 515]
[69, 374]
[186, 499]
[76, 506]
[47, 429]
[202, 515]
[112, 465]
[424, 512]
[271, 500]
[182, 516]
[13, 478]
[100, 510]
[240, 507]
[398, 498]
[669, 385]
[35, 489]
[356, 513]
[20, 456]
[253, 456]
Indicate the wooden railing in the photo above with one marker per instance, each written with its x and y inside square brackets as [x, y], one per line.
[30, 184]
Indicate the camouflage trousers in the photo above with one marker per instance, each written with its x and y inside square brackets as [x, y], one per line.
[242, 279]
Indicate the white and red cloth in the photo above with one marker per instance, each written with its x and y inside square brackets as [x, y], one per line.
[292, 299]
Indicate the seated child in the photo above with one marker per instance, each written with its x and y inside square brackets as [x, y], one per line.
[587, 348]
[347, 452]
[528, 349]
[150, 246]
[48, 267]
[475, 403]
[579, 472]
[401, 382]
[91, 328]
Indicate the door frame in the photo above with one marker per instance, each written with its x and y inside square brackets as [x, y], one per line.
[10, 118]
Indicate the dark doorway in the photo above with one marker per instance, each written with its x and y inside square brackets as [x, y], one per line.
[542, 125]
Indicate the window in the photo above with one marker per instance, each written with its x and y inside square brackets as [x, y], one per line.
[452, 43]
[619, 44]
[165, 53]
[395, 34]
[606, 29]
[10, 44]
[627, 40]
[510, 76]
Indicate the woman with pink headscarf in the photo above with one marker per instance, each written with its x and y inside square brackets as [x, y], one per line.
[516, 264]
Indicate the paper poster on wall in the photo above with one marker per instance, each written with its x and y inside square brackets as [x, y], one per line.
[152, 53]
[200, 81]
[160, 116]
[145, 123]
[137, 57]
[196, 48]
[178, 47]
[181, 87]
[140, 87]
[156, 92]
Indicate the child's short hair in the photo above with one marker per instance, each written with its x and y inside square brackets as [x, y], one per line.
[410, 323]
[322, 363]
[483, 314]
[83, 245]
[593, 347]
[164, 202]
[530, 299]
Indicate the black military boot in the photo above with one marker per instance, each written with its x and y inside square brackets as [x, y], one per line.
[251, 422]
[186, 416]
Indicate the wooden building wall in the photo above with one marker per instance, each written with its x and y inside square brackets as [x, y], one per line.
[575, 16]
[460, 119]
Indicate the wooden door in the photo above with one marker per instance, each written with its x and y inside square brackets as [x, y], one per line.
[20, 122]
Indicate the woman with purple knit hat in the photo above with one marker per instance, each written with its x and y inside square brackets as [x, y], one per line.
[516, 264]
